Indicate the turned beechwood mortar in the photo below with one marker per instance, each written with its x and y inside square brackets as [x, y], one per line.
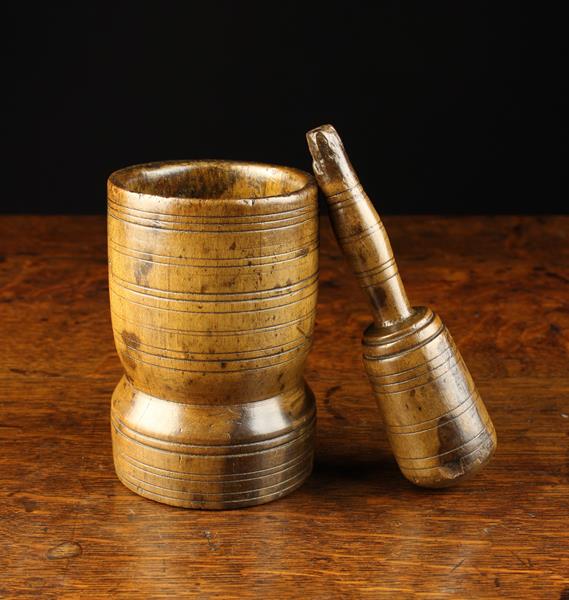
[213, 269]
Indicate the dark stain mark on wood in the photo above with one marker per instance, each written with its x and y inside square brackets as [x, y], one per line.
[132, 342]
[331, 391]
[450, 437]
[141, 271]
[328, 403]
[130, 339]
[378, 297]
[457, 565]
[29, 504]
[35, 372]
[557, 276]
[330, 283]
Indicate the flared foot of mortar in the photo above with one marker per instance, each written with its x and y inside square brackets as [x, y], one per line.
[212, 457]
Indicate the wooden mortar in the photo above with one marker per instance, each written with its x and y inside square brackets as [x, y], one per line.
[213, 269]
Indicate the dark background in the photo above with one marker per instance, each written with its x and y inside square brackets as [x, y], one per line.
[445, 107]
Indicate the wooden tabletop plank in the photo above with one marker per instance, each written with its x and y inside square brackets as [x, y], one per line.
[356, 529]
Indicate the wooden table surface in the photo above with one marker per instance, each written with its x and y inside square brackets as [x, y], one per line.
[356, 529]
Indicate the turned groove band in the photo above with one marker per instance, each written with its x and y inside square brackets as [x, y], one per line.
[258, 260]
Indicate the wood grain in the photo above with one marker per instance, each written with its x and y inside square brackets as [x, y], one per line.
[357, 528]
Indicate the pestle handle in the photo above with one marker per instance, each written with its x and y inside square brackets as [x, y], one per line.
[358, 228]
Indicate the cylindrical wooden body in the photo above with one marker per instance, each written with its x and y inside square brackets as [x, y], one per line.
[213, 269]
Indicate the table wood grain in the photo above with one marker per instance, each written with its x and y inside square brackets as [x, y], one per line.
[357, 528]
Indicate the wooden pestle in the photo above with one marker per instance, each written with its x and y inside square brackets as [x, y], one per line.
[437, 424]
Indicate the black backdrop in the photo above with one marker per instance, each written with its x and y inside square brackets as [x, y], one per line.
[443, 106]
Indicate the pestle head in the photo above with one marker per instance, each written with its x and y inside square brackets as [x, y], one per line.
[439, 429]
